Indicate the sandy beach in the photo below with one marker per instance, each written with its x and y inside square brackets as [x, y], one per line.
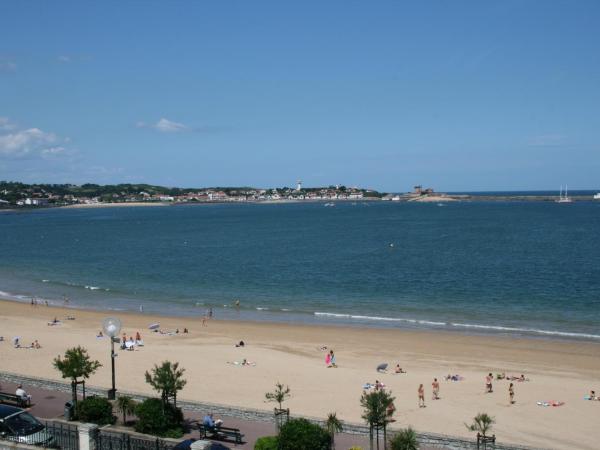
[558, 370]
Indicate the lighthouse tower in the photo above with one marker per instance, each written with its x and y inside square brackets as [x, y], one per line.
[299, 185]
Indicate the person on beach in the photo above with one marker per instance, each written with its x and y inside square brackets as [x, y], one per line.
[36, 345]
[391, 409]
[328, 360]
[138, 336]
[399, 369]
[436, 389]
[488, 383]
[421, 392]
[332, 359]
[511, 394]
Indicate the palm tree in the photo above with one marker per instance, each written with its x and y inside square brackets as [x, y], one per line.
[404, 440]
[482, 424]
[167, 379]
[74, 365]
[126, 405]
[375, 405]
[333, 425]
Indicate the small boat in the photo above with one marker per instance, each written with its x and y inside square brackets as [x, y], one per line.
[564, 198]
[597, 196]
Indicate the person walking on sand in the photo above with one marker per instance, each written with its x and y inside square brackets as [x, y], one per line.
[421, 396]
[488, 383]
[436, 389]
[511, 393]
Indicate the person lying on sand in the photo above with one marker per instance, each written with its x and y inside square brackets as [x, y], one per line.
[454, 377]
[550, 403]
[516, 378]
[243, 362]
[592, 396]
[378, 385]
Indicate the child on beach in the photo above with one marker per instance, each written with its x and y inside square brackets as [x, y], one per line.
[328, 360]
[421, 392]
[511, 394]
[332, 359]
[436, 389]
[488, 383]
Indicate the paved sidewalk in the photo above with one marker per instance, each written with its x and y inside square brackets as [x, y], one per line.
[49, 404]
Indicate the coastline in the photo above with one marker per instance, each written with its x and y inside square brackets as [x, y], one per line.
[559, 370]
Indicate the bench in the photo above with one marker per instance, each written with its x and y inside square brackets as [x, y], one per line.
[5, 397]
[219, 433]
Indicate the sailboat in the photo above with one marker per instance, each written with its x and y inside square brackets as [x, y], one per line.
[564, 198]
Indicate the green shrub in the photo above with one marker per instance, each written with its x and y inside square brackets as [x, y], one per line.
[266, 443]
[300, 434]
[96, 410]
[158, 418]
[404, 440]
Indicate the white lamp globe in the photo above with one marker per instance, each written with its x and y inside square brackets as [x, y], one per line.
[111, 326]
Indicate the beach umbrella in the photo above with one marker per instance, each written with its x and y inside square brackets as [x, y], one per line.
[154, 326]
[382, 367]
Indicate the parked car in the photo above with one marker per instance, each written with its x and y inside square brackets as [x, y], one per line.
[18, 425]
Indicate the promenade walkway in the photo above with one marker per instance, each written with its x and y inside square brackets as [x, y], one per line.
[49, 404]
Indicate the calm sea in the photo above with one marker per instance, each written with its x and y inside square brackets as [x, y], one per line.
[511, 268]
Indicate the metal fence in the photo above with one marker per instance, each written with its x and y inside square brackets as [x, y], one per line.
[106, 440]
[66, 435]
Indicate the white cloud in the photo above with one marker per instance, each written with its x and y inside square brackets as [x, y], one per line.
[28, 143]
[164, 126]
[167, 126]
[64, 59]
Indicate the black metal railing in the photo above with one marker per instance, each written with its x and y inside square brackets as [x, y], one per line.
[66, 435]
[123, 441]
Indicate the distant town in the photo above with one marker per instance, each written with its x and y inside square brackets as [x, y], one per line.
[14, 195]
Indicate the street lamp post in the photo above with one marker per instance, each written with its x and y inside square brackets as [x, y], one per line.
[112, 327]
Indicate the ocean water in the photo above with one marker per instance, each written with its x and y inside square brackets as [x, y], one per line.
[524, 269]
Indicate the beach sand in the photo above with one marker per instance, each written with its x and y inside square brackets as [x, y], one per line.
[558, 370]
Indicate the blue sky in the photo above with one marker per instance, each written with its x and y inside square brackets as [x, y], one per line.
[456, 95]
